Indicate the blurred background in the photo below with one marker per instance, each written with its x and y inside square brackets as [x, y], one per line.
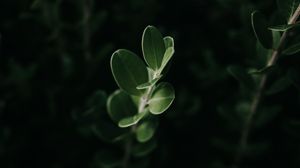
[55, 77]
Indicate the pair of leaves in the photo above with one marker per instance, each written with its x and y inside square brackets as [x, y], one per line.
[157, 50]
[134, 79]
[123, 110]
[129, 70]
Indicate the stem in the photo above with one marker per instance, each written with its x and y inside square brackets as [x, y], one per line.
[128, 146]
[258, 94]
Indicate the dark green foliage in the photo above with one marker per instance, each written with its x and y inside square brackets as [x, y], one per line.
[55, 80]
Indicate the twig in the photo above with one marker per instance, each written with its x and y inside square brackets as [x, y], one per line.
[142, 105]
[258, 95]
[128, 148]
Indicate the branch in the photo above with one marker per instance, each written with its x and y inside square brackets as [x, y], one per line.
[128, 146]
[258, 95]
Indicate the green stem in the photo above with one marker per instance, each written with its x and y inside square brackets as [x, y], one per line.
[141, 108]
[128, 148]
[258, 95]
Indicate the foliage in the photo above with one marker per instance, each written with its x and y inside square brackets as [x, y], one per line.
[55, 77]
[140, 95]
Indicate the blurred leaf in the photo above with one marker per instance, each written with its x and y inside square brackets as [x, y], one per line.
[282, 28]
[260, 28]
[132, 120]
[264, 70]
[243, 110]
[143, 149]
[97, 99]
[97, 20]
[263, 54]
[129, 71]
[35, 4]
[265, 115]
[242, 76]
[276, 39]
[161, 98]
[153, 47]
[146, 130]
[294, 77]
[293, 49]
[108, 131]
[287, 7]
[120, 106]
[278, 86]
[108, 159]
[67, 66]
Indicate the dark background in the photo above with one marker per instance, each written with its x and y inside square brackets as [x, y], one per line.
[55, 56]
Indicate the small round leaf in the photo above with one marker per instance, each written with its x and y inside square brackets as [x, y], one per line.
[129, 71]
[146, 130]
[161, 99]
[153, 47]
[132, 120]
[120, 105]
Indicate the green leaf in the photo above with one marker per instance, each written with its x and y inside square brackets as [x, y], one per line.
[169, 42]
[278, 86]
[266, 114]
[264, 70]
[146, 130]
[97, 99]
[167, 56]
[287, 7]
[108, 159]
[276, 39]
[242, 76]
[129, 71]
[108, 131]
[161, 98]
[143, 149]
[132, 120]
[292, 49]
[263, 54]
[120, 105]
[149, 84]
[153, 47]
[282, 28]
[260, 28]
